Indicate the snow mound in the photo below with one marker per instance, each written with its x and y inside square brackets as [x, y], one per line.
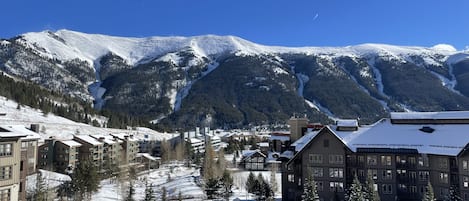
[444, 47]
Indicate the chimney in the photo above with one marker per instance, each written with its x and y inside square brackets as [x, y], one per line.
[297, 125]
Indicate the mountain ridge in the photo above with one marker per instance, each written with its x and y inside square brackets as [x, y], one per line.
[164, 78]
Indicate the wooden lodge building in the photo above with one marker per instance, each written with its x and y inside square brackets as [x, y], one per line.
[402, 154]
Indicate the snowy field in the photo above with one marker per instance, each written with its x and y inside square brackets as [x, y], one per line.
[182, 179]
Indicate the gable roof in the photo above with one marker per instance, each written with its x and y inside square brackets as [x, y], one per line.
[307, 139]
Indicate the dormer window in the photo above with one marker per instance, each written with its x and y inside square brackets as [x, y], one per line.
[427, 129]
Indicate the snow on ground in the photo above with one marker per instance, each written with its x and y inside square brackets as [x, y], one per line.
[50, 180]
[59, 127]
[182, 179]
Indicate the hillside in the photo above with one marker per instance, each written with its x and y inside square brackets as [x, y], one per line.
[226, 81]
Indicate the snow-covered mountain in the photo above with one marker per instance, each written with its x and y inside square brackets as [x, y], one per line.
[223, 80]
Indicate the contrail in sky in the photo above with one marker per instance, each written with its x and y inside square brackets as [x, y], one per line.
[316, 16]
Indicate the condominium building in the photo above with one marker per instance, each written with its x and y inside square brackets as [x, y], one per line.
[401, 154]
[66, 155]
[10, 164]
[90, 149]
[112, 148]
[129, 147]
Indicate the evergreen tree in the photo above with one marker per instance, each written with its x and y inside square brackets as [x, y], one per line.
[85, 179]
[429, 195]
[149, 194]
[227, 183]
[164, 196]
[355, 192]
[65, 190]
[211, 188]
[40, 192]
[371, 193]
[130, 192]
[251, 182]
[453, 194]
[309, 190]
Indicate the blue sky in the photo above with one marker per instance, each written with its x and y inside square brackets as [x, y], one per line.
[269, 22]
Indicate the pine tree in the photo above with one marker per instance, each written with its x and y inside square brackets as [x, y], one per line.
[130, 193]
[429, 195]
[164, 196]
[453, 194]
[371, 193]
[356, 191]
[85, 179]
[250, 183]
[149, 194]
[309, 190]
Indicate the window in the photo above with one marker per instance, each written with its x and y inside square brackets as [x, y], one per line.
[387, 189]
[412, 160]
[336, 159]
[318, 172]
[387, 174]
[361, 174]
[401, 159]
[291, 178]
[315, 158]
[5, 172]
[386, 160]
[423, 175]
[465, 182]
[423, 161]
[5, 195]
[320, 186]
[464, 165]
[412, 175]
[336, 172]
[361, 159]
[336, 186]
[413, 189]
[443, 177]
[373, 173]
[6, 149]
[443, 163]
[372, 160]
[326, 143]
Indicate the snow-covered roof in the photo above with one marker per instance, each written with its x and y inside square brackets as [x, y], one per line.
[89, 139]
[301, 143]
[249, 153]
[71, 143]
[440, 139]
[148, 156]
[263, 144]
[282, 138]
[431, 115]
[347, 123]
[107, 139]
[124, 136]
[18, 131]
[443, 139]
